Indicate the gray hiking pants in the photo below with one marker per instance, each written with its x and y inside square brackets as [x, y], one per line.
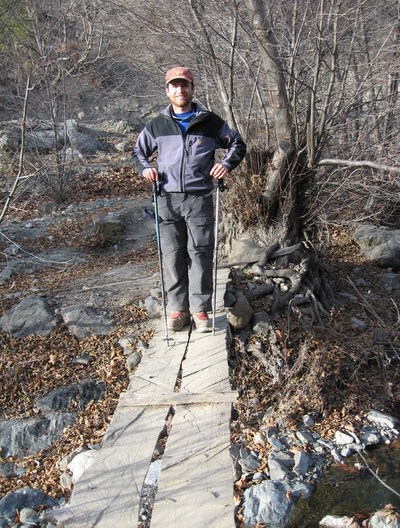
[187, 243]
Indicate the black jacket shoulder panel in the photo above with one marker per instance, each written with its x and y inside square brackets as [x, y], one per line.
[162, 126]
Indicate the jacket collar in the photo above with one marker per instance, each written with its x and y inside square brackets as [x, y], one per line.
[198, 109]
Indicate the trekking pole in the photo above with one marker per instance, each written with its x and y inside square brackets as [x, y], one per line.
[220, 188]
[155, 194]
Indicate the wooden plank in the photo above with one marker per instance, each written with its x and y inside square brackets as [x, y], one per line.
[205, 368]
[176, 398]
[108, 493]
[196, 481]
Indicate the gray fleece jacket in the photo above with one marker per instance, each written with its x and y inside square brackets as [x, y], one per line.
[185, 160]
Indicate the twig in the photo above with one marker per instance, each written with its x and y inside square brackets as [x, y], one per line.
[377, 478]
[366, 303]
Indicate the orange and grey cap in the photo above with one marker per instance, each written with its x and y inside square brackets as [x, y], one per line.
[179, 73]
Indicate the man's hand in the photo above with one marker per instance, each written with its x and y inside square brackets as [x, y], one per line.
[151, 174]
[218, 171]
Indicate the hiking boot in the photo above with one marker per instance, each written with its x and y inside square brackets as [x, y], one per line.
[202, 322]
[177, 320]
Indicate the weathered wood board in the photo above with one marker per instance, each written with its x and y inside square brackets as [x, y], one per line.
[196, 481]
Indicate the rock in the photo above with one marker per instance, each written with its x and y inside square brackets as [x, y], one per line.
[81, 462]
[83, 142]
[83, 322]
[379, 245]
[24, 436]
[279, 464]
[5, 275]
[47, 208]
[358, 323]
[57, 399]
[343, 438]
[10, 470]
[333, 521]
[153, 307]
[382, 419]
[245, 251]
[31, 316]
[23, 498]
[249, 462]
[305, 436]
[389, 517]
[153, 473]
[369, 436]
[133, 360]
[66, 480]
[90, 390]
[391, 280]
[271, 502]
[308, 421]
[301, 462]
[240, 314]
[29, 517]
[261, 323]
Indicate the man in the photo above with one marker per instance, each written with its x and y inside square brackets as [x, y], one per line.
[186, 136]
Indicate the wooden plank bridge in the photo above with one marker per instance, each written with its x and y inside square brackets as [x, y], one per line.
[186, 378]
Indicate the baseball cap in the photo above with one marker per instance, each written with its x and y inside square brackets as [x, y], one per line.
[179, 73]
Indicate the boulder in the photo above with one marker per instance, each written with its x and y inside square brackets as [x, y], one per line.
[271, 502]
[21, 437]
[379, 245]
[26, 497]
[31, 316]
[83, 322]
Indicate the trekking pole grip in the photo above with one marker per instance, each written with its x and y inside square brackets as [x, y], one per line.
[221, 184]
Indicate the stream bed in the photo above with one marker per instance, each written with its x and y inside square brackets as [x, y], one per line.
[344, 490]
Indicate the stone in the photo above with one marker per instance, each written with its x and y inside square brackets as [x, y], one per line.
[133, 360]
[389, 517]
[153, 473]
[66, 480]
[271, 502]
[391, 280]
[29, 517]
[154, 307]
[83, 321]
[23, 498]
[302, 462]
[280, 464]
[81, 462]
[90, 390]
[369, 436]
[379, 245]
[343, 438]
[333, 521]
[23, 436]
[382, 419]
[249, 461]
[240, 314]
[308, 421]
[57, 399]
[358, 324]
[5, 275]
[246, 251]
[31, 316]
[10, 470]
[108, 228]
[305, 436]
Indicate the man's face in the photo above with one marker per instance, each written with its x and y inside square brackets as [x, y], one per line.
[180, 93]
